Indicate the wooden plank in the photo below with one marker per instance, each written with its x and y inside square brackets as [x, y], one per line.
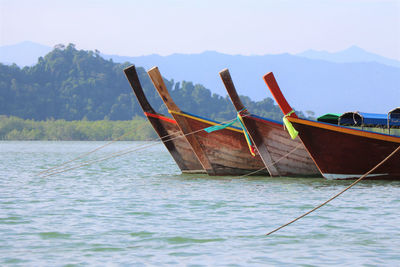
[162, 90]
[249, 124]
[132, 76]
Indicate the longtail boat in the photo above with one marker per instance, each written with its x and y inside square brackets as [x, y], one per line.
[282, 155]
[223, 152]
[166, 128]
[342, 152]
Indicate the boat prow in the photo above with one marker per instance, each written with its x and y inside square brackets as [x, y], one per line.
[166, 128]
[280, 154]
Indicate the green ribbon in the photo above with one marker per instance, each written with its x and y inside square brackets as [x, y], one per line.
[238, 119]
[219, 127]
[292, 131]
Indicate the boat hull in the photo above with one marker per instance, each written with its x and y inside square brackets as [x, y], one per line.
[289, 157]
[226, 149]
[175, 142]
[344, 153]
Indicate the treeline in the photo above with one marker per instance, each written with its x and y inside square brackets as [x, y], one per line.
[13, 128]
[70, 84]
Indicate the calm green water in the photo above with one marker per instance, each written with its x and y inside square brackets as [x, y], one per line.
[140, 210]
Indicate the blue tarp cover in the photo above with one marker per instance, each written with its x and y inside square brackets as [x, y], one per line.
[374, 119]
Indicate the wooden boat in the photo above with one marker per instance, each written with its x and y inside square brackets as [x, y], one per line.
[166, 128]
[282, 155]
[223, 152]
[342, 152]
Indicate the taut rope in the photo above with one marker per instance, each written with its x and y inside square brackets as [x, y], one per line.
[338, 194]
[85, 154]
[115, 154]
[273, 163]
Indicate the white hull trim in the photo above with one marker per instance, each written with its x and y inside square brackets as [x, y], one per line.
[334, 176]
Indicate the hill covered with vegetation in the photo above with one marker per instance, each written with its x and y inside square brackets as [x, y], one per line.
[13, 128]
[70, 84]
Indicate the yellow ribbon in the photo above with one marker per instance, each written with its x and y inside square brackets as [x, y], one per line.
[292, 131]
[246, 135]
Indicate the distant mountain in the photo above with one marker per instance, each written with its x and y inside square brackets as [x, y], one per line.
[308, 84]
[23, 54]
[76, 84]
[320, 85]
[349, 55]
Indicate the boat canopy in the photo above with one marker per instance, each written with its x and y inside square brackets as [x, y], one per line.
[394, 118]
[332, 118]
[363, 119]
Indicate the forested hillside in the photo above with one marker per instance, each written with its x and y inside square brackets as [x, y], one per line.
[73, 84]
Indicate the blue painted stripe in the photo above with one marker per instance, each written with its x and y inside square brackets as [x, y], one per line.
[266, 119]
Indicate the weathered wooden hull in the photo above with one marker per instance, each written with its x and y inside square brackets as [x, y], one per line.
[226, 149]
[289, 157]
[175, 142]
[223, 152]
[344, 153]
[166, 128]
[281, 155]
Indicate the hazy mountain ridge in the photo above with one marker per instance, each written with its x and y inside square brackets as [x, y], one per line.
[308, 84]
[324, 84]
[349, 55]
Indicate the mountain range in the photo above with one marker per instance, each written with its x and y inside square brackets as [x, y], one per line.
[349, 80]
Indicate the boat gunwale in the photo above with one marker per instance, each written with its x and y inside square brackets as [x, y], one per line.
[346, 130]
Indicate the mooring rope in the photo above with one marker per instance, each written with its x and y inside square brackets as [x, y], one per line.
[115, 154]
[83, 163]
[179, 136]
[85, 154]
[122, 152]
[56, 168]
[273, 163]
[338, 194]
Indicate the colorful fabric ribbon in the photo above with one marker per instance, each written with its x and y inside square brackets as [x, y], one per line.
[219, 127]
[291, 130]
[240, 120]
[246, 134]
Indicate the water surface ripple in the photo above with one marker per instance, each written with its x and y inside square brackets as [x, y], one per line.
[140, 210]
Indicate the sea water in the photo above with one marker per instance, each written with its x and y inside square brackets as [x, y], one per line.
[137, 209]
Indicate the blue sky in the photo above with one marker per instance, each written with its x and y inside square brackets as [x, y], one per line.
[248, 27]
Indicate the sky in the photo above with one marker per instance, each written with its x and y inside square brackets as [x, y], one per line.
[164, 27]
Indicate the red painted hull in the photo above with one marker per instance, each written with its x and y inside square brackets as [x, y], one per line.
[289, 156]
[226, 150]
[343, 153]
